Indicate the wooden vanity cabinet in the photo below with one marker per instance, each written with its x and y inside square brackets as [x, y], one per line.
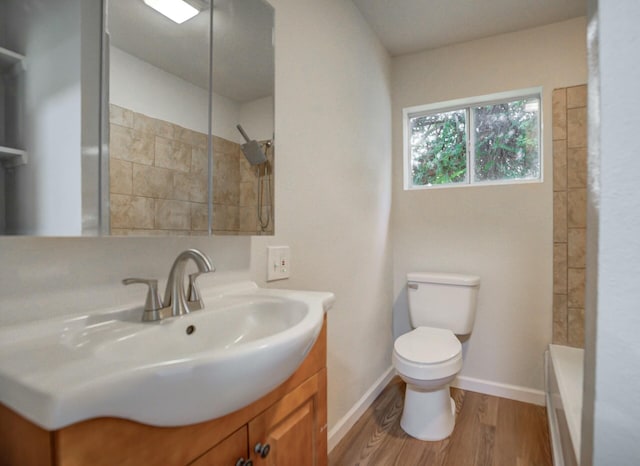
[230, 451]
[294, 428]
[291, 420]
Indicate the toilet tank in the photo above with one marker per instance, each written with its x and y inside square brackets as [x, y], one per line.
[443, 300]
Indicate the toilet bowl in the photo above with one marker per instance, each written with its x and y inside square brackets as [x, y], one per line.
[428, 359]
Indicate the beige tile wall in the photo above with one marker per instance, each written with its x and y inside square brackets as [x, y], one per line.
[569, 213]
[235, 191]
[158, 180]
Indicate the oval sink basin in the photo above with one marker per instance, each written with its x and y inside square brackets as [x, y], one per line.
[179, 371]
[228, 328]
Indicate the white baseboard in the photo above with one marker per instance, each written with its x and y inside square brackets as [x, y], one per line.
[512, 392]
[341, 428]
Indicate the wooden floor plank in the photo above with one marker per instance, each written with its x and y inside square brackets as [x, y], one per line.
[522, 434]
[489, 431]
[365, 432]
[386, 439]
[488, 411]
[468, 432]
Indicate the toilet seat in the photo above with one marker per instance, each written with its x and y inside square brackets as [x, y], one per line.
[427, 353]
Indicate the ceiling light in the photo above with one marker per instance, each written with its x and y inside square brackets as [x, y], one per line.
[176, 10]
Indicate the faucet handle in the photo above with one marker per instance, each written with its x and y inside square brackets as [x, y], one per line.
[153, 303]
[193, 295]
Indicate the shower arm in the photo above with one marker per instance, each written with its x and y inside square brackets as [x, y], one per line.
[244, 135]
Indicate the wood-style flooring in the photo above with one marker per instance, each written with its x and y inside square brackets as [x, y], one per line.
[489, 431]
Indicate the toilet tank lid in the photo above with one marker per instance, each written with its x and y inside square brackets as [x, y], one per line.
[444, 278]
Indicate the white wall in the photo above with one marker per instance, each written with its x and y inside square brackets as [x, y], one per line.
[256, 117]
[611, 413]
[501, 233]
[144, 88]
[46, 277]
[333, 183]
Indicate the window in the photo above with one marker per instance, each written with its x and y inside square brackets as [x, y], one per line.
[486, 140]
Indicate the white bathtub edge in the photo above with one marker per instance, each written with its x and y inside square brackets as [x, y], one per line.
[554, 432]
[567, 364]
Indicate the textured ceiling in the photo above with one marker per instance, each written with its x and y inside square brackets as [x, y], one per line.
[243, 52]
[407, 26]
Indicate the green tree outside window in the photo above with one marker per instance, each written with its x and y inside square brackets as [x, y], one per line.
[506, 144]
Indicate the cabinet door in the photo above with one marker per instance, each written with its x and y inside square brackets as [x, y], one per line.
[291, 429]
[227, 452]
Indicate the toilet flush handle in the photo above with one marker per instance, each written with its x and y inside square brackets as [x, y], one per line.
[412, 286]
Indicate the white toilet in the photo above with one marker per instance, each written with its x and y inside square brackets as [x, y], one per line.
[441, 306]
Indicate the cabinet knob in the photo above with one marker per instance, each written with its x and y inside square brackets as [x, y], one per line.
[243, 462]
[262, 450]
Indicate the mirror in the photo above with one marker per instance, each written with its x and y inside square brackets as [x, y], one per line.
[49, 117]
[159, 169]
[157, 174]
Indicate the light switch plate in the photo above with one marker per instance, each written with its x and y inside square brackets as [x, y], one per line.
[278, 262]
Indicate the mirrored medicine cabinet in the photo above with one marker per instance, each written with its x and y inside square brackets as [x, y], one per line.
[117, 120]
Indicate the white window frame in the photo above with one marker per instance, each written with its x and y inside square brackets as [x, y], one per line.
[466, 104]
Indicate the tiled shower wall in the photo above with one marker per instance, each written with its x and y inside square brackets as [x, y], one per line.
[158, 180]
[235, 191]
[569, 213]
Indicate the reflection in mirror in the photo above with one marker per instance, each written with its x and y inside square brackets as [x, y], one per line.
[159, 119]
[243, 78]
[49, 116]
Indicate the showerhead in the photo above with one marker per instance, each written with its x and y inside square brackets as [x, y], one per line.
[251, 149]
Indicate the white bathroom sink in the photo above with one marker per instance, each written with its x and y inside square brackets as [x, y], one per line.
[179, 371]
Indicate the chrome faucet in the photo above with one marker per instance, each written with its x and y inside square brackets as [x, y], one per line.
[176, 301]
